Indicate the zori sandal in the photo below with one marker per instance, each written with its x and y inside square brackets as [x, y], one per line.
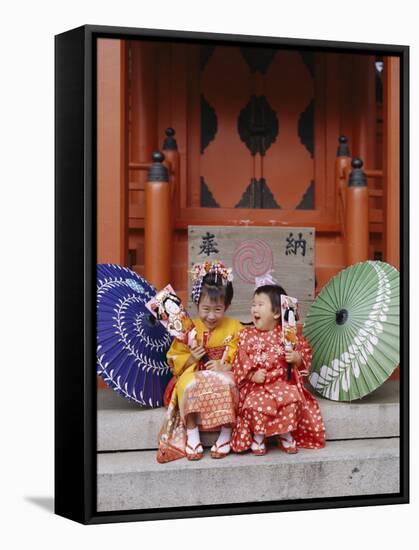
[289, 447]
[258, 449]
[215, 450]
[194, 454]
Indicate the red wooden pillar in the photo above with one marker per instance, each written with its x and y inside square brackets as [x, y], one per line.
[391, 147]
[342, 168]
[392, 161]
[157, 224]
[112, 161]
[356, 216]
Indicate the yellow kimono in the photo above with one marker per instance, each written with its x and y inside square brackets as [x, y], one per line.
[211, 395]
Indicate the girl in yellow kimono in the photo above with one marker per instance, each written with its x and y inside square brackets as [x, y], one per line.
[205, 396]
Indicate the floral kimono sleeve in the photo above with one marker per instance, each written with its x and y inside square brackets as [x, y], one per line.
[177, 356]
[304, 349]
[243, 365]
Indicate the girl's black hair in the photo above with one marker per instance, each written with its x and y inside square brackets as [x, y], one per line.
[215, 289]
[274, 294]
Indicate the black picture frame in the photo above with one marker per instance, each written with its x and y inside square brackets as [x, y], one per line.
[75, 253]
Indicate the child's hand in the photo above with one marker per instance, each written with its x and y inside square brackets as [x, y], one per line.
[216, 365]
[293, 357]
[259, 376]
[197, 353]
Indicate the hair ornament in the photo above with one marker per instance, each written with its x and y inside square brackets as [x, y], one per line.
[265, 279]
[199, 271]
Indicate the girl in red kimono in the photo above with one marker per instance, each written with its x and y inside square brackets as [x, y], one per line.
[270, 404]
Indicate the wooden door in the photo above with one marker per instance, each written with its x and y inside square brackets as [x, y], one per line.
[264, 143]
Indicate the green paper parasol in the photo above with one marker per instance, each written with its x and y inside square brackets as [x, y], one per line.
[353, 328]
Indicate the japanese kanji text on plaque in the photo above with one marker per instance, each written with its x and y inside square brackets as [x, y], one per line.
[253, 251]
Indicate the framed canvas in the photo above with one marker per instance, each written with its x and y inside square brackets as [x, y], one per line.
[283, 158]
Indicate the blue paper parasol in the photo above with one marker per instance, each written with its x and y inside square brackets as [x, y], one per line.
[131, 343]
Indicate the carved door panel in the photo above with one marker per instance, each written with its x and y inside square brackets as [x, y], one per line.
[257, 116]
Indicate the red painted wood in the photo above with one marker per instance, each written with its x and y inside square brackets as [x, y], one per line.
[392, 160]
[226, 164]
[112, 161]
[288, 166]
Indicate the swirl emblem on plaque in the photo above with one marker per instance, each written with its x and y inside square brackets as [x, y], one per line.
[251, 259]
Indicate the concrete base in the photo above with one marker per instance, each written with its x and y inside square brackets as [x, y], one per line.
[134, 480]
[123, 425]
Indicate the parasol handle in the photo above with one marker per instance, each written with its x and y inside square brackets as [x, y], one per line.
[205, 338]
[289, 347]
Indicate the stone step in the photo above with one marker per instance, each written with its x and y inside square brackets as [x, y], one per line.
[135, 480]
[123, 425]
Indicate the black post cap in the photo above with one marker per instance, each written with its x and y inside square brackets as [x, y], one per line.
[357, 177]
[343, 147]
[170, 143]
[158, 172]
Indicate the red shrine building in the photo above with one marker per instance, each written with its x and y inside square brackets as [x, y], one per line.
[252, 137]
[244, 136]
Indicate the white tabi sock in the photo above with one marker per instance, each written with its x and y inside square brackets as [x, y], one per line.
[193, 440]
[224, 437]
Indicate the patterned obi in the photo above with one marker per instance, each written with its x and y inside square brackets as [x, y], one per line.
[213, 354]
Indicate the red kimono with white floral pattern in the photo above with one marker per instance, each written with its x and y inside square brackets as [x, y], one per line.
[278, 405]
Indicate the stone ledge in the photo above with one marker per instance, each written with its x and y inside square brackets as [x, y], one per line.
[134, 480]
[123, 425]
